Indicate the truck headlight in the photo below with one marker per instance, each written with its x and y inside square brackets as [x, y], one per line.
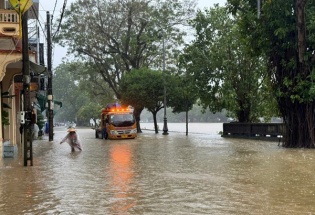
[134, 131]
[113, 132]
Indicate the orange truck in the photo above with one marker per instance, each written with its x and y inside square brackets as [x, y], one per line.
[117, 122]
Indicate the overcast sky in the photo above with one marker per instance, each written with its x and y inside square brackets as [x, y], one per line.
[49, 5]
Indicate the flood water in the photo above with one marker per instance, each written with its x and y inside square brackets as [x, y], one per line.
[155, 174]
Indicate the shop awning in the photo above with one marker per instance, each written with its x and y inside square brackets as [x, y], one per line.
[38, 69]
[58, 103]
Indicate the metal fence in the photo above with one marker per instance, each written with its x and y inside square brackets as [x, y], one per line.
[254, 130]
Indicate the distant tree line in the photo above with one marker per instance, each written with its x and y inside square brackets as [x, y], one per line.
[194, 115]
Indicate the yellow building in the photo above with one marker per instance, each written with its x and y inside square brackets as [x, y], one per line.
[11, 72]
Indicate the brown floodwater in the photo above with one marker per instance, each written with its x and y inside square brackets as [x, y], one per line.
[201, 173]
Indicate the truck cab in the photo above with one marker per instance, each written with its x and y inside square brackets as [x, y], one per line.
[117, 122]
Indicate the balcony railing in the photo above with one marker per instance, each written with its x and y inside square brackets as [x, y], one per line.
[9, 16]
[9, 23]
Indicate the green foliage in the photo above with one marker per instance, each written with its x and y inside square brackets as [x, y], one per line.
[144, 88]
[90, 110]
[285, 34]
[93, 83]
[80, 102]
[275, 35]
[196, 114]
[5, 118]
[183, 93]
[117, 36]
[5, 114]
[40, 121]
[228, 73]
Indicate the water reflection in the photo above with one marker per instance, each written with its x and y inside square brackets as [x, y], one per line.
[121, 175]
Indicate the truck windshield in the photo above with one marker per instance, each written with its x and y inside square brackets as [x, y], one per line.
[122, 120]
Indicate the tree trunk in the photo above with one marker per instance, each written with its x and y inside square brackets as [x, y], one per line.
[300, 124]
[244, 115]
[300, 17]
[155, 122]
[137, 112]
[299, 116]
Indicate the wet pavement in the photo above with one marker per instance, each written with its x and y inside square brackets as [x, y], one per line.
[156, 174]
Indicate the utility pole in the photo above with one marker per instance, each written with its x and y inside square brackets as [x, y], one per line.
[27, 107]
[49, 87]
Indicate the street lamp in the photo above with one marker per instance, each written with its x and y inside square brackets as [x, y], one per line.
[165, 129]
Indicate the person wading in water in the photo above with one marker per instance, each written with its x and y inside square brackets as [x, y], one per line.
[72, 139]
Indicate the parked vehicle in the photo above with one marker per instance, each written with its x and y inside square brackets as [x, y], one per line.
[116, 122]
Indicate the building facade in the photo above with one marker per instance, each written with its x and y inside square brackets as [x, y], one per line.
[11, 75]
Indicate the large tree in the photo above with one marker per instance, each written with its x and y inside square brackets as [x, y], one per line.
[66, 91]
[285, 32]
[71, 87]
[92, 83]
[183, 95]
[144, 87]
[118, 36]
[227, 75]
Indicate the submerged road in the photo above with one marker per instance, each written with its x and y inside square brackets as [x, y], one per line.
[156, 174]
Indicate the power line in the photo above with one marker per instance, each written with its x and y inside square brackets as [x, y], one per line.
[61, 16]
[54, 8]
